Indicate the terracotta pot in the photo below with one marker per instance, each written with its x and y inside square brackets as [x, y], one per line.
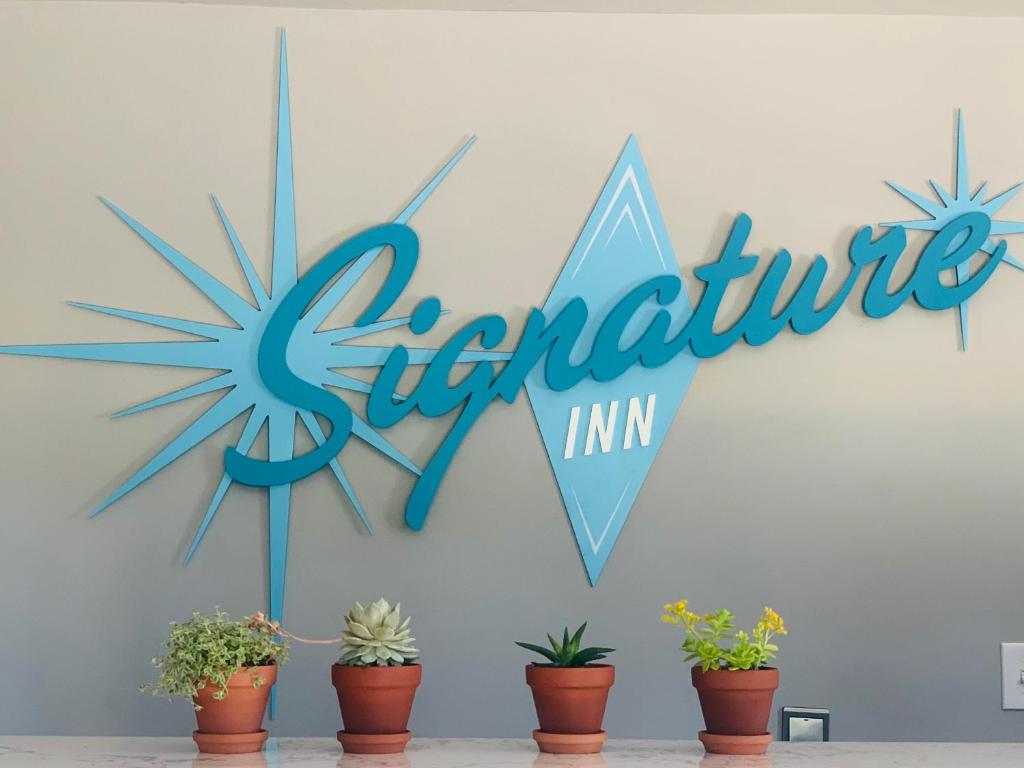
[738, 702]
[234, 724]
[375, 706]
[570, 702]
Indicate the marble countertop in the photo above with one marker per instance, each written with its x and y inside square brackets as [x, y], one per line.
[102, 752]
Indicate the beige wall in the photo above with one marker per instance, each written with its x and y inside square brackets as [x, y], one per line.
[865, 481]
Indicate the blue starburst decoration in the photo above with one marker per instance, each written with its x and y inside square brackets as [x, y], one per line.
[316, 355]
[949, 206]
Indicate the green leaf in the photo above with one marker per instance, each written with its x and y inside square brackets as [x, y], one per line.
[575, 642]
[545, 652]
[554, 644]
[588, 655]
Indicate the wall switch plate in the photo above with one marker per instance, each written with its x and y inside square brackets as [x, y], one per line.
[804, 723]
[1013, 675]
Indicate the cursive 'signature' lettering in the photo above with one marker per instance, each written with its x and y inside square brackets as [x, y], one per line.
[554, 340]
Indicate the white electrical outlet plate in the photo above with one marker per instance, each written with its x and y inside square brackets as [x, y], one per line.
[1013, 675]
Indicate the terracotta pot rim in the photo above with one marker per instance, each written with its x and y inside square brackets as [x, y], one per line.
[375, 666]
[351, 676]
[735, 679]
[242, 678]
[585, 666]
[256, 666]
[549, 677]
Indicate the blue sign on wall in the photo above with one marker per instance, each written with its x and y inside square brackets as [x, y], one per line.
[606, 361]
[602, 437]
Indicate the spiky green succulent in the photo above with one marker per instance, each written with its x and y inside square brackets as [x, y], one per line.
[568, 652]
[377, 636]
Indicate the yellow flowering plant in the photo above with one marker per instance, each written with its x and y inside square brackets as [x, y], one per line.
[712, 640]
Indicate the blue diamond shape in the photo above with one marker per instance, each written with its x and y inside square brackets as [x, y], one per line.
[602, 465]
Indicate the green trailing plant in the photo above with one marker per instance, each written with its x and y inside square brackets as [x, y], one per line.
[568, 652]
[375, 635]
[208, 650]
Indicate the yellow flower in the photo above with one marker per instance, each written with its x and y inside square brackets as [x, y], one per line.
[690, 619]
[676, 613]
[772, 622]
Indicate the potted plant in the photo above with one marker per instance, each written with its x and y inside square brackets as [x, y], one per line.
[734, 684]
[570, 692]
[225, 668]
[376, 678]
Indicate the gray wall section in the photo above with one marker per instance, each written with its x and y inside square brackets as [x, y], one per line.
[864, 481]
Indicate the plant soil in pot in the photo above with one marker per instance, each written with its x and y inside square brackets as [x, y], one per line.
[376, 680]
[225, 669]
[570, 694]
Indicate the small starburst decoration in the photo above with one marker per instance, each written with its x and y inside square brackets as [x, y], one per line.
[949, 206]
[316, 355]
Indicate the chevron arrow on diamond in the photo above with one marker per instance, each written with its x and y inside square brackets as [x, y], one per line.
[602, 437]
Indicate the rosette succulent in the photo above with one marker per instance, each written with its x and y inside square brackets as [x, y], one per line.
[377, 636]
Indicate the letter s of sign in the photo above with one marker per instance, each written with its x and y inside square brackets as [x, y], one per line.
[272, 354]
